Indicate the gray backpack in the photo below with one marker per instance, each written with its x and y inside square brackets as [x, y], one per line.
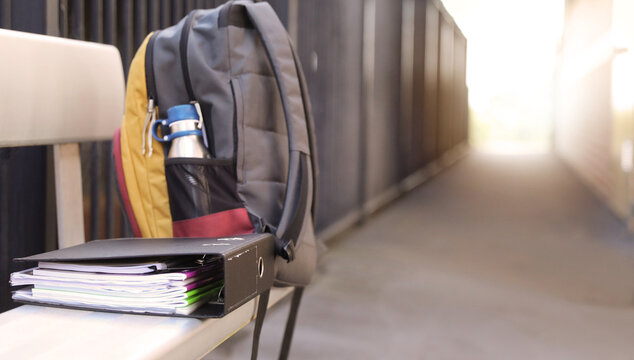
[237, 66]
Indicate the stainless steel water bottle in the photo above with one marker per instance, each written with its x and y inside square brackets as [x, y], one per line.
[185, 133]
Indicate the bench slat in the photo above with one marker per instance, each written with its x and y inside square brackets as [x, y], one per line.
[68, 192]
[58, 90]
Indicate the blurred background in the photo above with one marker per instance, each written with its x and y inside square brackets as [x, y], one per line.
[475, 173]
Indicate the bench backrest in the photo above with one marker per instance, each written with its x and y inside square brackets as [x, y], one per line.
[59, 92]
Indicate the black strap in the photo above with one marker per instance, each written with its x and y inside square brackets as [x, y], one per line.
[310, 126]
[259, 320]
[290, 322]
[290, 236]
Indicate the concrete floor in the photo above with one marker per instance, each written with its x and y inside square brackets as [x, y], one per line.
[500, 257]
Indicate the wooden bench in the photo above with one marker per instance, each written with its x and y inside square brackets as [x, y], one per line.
[60, 92]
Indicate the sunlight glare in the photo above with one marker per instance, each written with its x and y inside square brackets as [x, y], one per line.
[511, 53]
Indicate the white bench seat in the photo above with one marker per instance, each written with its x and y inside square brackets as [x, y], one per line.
[38, 332]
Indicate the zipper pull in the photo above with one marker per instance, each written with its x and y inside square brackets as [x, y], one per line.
[201, 123]
[200, 114]
[148, 117]
[149, 131]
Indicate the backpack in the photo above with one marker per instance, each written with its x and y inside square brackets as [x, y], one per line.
[236, 65]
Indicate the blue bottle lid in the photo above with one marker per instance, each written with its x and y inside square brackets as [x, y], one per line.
[181, 112]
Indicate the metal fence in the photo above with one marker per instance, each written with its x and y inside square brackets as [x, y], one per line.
[386, 79]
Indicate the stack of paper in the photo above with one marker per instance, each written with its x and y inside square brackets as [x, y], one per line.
[165, 287]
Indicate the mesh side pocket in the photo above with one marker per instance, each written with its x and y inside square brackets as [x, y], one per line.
[199, 187]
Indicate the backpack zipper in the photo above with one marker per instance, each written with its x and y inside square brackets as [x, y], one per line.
[184, 41]
[150, 86]
[150, 118]
[149, 68]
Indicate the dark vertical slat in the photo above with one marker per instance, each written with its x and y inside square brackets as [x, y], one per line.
[460, 82]
[189, 5]
[120, 224]
[5, 224]
[458, 88]
[91, 153]
[99, 188]
[64, 18]
[5, 14]
[177, 10]
[465, 94]
[127, 44]
[329, 46]
[76, 15]
[123, 224]
[383, 130]
[165, 9]
[125, 30]
[109, 37]
[445, 85]
[110, 22]
[111, 205]
[454, 110]
[139, 19]
[152, 16]
[430, 86]
[408, 27]
[367, 95]
[418, 137]
[410, 136]
[51, 238]
[96, 21]
[29, 16]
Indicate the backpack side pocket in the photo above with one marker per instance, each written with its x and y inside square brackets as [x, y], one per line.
[203, 198]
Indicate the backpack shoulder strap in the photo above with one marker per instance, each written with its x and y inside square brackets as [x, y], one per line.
[280, 56]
